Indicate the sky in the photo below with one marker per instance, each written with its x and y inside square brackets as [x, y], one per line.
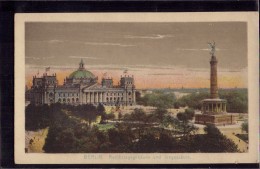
[159, 55]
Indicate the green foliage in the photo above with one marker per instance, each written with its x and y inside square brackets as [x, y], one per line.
[157, 99]
[212, 130]
[137, 132]
[193, 100]
[177, 105]
[37, 117]
[186, 116]
[110, 116]
[87, 112]
[213, 141]
[237, 100]
[244, 126]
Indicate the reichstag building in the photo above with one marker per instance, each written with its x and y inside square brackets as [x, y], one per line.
[82, 87]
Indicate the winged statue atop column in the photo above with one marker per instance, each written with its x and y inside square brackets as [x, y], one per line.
[212, 47]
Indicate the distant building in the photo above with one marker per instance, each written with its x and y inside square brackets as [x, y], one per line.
[81, 87]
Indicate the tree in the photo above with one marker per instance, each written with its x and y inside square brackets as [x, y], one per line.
[87, 112]
[186, 127]
[157, 99]
[120, 115]
[214, 141]
[212, 130]
[244, 126]
[101, 112]
[176, 105]
[160, 113]
[110, 116]
[37, 117]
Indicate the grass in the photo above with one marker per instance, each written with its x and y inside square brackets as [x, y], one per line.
[105, 127]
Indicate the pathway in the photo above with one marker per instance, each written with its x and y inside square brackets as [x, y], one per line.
[35, 140]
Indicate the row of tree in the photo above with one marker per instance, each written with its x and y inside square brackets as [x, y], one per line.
[42, 116]
[237, 100]
[157, 131]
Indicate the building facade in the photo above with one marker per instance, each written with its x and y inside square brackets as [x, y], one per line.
[82, 87]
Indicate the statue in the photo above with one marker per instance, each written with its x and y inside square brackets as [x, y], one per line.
[212, 47]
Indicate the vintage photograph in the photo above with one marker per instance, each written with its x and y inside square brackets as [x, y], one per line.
[136, 87]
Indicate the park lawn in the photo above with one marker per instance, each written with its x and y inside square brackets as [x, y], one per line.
[105, 127]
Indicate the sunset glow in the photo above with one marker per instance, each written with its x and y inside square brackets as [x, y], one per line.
[159, 78]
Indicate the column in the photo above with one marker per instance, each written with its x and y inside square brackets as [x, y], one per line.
[101, 97]
[104, 97]
[45, 98]
[88, 100]
[84, 98]
[96, 97]
[212, 107]
[225, 107]
[91, 97]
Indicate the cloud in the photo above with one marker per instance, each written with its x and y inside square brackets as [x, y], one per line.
[84, 57]
[108, 44]
[194, 49]
[40, 58]
[149, 37]
[55, 41]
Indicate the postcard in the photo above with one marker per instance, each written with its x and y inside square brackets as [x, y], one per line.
[136, 88]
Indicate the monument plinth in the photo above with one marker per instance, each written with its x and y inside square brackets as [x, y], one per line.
[214, 109]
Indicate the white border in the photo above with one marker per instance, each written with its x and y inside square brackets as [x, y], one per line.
[155, 158]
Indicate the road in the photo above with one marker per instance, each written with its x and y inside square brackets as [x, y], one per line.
[35, 140]
[230, 132]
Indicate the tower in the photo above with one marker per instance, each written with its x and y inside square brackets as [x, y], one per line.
[213, 110]
[213, 77]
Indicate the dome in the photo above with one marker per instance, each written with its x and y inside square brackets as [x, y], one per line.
[81, 74]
